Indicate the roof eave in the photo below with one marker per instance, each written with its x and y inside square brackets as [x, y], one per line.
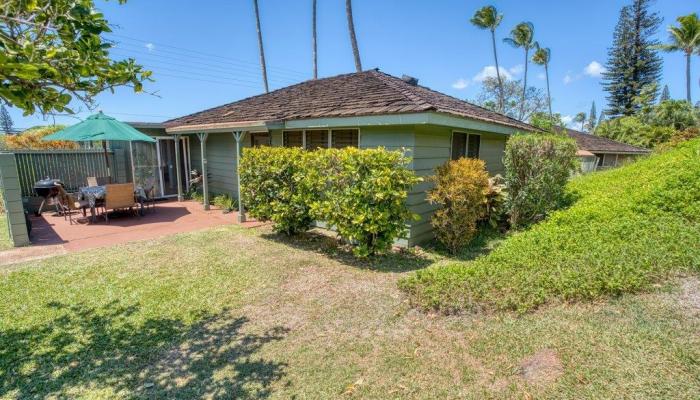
[248, 126]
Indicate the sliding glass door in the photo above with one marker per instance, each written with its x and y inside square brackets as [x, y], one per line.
[168, 168]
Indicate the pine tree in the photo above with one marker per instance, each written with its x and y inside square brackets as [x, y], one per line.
[665, 94]
[633, 61]
[592, 118]
[5, 120]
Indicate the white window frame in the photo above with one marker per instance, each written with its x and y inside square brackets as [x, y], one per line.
[329, 143]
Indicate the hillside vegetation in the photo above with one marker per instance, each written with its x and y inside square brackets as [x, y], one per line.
[626, 229]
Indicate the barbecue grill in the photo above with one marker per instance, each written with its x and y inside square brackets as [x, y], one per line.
[48, 189]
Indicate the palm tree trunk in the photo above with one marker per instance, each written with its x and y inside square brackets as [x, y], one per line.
[260, 46]
[313, 38]
[549, 96]
[522, 99]
[353, 38]
[498, 72]
[687, 76]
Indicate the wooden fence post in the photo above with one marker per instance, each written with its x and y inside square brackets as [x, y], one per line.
[12, 196]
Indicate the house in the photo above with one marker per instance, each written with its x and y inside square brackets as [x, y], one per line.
[365, 109]
[597, 152]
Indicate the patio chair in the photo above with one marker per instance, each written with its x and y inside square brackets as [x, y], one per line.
[68, 203]
[119, 196]
[150, 189]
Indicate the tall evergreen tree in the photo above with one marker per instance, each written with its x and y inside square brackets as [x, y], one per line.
[601, 119]
[665, 94]
[5, 120]
[633, 61]
[592, 118]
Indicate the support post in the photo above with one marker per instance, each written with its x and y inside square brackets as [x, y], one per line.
[205, 180]
[178, 171]
[238, 136]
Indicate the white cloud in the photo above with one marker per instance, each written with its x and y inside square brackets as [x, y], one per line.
[460, 84]
[489, 71]
[594, 69]
[541, 76]
[517, 69]
[568, 78]
[567, 119]
[150, 46]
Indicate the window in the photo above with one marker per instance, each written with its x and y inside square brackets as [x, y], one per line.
[459, 145]
[258, 139]
[345, 138]
[473, 145]
[316, 140]
[465, 145]
[293, 138]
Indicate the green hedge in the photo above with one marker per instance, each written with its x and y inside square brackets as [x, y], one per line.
[537, 169]
[359, 193]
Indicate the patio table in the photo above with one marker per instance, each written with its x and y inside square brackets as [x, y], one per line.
[96, 194]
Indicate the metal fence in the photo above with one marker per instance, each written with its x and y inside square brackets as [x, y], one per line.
[72, 167]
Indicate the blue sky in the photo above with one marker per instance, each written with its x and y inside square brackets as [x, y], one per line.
[204, 54]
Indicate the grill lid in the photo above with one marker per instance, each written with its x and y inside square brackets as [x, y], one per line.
[47, 183]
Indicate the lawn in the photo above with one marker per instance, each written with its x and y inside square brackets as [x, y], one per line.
[623, 231]
[4, 232]
[234, 313]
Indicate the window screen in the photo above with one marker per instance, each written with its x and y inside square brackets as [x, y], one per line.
[459, 145]
[316, 140]
[473, 145]
[293, 138]
[345, 138]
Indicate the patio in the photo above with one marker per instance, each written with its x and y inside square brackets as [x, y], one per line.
[170, 217]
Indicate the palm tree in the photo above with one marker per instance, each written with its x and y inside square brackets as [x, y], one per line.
[313, 38]
[353, 38]
[488, 17]
[522, 36]
[580, 117]
[685, 38]
[541, 57]
[260, 46]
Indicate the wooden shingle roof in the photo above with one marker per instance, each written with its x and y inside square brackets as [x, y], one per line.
[598, 144]
[357, 94]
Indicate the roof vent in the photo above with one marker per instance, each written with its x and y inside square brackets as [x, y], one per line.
[410, 80]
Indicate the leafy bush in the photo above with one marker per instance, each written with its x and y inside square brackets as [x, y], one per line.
[496, 201]
[537, 169]
[225, 202]
[677, 114]
[460, 191]
[274, 187]
[363, 195]
[31, 139]
[630, 228]
[634, 131]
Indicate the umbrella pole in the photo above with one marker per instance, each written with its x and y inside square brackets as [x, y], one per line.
[104, 147]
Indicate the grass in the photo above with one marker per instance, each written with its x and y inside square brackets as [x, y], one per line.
[626, 230]
[5, 242]
[235, 313]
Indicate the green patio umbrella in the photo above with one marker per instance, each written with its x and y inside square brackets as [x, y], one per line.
[100, 127]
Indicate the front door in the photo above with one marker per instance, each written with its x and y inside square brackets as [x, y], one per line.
[167, 166]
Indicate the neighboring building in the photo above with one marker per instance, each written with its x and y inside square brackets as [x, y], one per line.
[597, 152]
[366, 109]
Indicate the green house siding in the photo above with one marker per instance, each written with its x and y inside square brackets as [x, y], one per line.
[428, 146]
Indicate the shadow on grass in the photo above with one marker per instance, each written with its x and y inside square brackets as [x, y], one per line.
[395, 261]
[105, 349]
[484, 243]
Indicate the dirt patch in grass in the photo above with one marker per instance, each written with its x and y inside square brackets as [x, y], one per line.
[689, 297]
[542, 368]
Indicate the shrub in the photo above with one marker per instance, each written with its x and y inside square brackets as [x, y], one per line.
[630, 227]
[274, 187]
[460, 192]
[225, 202]
[363, 195]
[31, 139]
[677, 114]
[537, 169]
[496, 201]
[634, 131]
